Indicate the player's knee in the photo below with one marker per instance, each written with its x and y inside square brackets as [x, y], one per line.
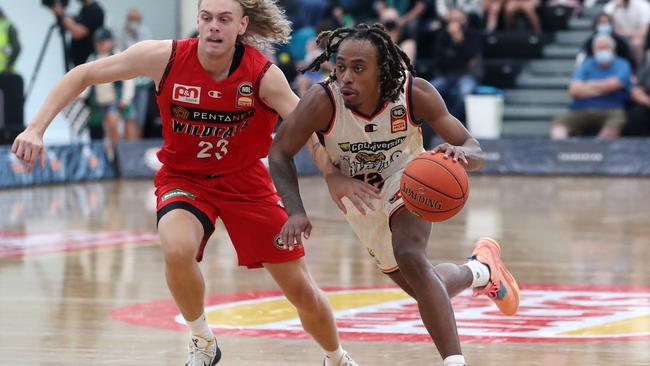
[409, 258]
[179, 251]
[308, 298]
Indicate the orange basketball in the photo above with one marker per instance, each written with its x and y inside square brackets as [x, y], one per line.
[434, 188]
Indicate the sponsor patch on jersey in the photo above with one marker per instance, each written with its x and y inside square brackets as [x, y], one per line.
[188, 114]
[187, 94]
[355, 147]
[398, 119]
[176, 193]
[245, 94]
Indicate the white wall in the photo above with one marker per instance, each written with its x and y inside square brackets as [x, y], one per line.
[188, 10]
[33, 21]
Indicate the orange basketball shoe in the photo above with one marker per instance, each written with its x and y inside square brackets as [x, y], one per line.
[502, 287]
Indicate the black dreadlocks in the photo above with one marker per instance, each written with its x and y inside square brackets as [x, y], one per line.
[393, 62]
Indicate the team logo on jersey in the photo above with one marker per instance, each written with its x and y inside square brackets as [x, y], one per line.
[245, 94]
[214, 94]
[187, 94]
[398, 119]
[180, 113]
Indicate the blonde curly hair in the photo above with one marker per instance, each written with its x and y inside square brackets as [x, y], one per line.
[268, 23]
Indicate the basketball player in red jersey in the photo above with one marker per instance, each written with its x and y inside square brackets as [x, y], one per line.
[219, 100]
[368, 114]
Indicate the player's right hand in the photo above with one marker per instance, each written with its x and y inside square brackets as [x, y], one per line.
[358, 192]
[28, 146]
[294, 229]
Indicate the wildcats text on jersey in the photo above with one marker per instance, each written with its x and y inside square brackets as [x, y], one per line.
[231, 123]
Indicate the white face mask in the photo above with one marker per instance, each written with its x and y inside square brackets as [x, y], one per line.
[132, 25]
[604, 57]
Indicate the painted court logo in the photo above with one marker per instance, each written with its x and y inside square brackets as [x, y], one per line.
[547, 314]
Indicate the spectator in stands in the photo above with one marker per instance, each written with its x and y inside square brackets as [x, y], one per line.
[350, 12]
[631, 21]
[491, 14]
[528, 8]
[111, 102]
[81, 28]
[472, 8]
[603, 25]
[409, 12]
[389, 17]
[638, 123]
[133, 32]
[9, 44]
[600, 88]
[457, 49]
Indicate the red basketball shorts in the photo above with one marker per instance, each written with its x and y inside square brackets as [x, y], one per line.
[246, 201]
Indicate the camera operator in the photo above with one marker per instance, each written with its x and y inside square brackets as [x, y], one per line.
[81, 28]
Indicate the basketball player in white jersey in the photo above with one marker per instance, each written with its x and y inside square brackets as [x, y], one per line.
[368, 114]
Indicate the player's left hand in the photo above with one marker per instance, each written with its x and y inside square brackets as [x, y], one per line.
[294, 229]
[455, 152]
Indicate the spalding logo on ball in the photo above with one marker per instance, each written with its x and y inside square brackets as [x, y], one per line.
[434, 188]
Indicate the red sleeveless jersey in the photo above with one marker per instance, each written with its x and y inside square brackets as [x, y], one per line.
[213, 127]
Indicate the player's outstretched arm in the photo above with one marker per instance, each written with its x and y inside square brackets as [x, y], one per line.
[459, 144]
[148, 58]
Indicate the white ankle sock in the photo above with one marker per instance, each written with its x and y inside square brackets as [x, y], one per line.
[455, 360]
[199, 327]
[333, 358]
[480, 273]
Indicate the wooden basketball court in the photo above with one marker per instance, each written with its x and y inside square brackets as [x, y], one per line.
[81, 280]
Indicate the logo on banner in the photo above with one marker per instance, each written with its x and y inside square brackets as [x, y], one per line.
[398, 119]
[245, 94]
[187, 94]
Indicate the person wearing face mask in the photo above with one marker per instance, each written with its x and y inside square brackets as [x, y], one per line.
[389, 17]
[133, 32]
[81, 29]
[603, 25]
[600, 88]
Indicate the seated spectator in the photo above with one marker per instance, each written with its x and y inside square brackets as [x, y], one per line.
[600, 88]
[389, 17]
[458, 47]
[111, 102]
[638, 123]
[603, 25]
[472, 8]
[528, 8]
[631, 21]
[491, 13]
[409, 12]
[350, 12]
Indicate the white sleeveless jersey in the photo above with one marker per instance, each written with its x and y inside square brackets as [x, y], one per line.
[373, 148]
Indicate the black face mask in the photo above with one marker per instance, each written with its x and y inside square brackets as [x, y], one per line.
[390, 25]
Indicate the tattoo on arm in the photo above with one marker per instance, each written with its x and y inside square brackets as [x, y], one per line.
[285, 177]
